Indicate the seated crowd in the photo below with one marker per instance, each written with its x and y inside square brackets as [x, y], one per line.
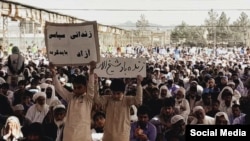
[40, 107]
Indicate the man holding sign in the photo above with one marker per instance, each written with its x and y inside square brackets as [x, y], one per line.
[117, 107]
[80, 101]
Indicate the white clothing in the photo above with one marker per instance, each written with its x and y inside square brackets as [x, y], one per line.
[78, 116]
[36, 116]
[206, 121]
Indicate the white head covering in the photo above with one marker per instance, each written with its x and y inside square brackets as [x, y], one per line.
[18, 107]
[176, 118]
[38, 94]
[220, 94]
[14, 119]
[182, 90]
[48, 79]
[44, 86]
[53, 96]
[55, 102]
[59, 106]
[165, 88]
[218, 114]
[230, 83]
[134, 116]
[196, 108]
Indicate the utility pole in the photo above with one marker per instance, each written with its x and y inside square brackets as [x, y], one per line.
[214, 27]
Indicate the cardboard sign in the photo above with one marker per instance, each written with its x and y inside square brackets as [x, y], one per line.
[72, 44]
[121, 67]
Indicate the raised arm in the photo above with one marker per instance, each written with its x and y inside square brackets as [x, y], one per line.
[99, 100]
[91, 85]
[64, 93]
[136, 100]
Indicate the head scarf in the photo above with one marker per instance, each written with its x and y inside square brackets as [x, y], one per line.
[134, 116]
[225, 88]
[53, 96]
[38, 94]
[176, 118]
[14, 119]
[197, 108]
[218, 114]
[164, 87]
[61, 106]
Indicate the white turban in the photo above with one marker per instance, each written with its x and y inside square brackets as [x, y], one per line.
[39, 94]
[55, 102]
[44, 86]
[231, 83]
[48, 79]
[218, 114]
[196, 108]
[182, 90]
[176, 118]
[18, 107]
[59, 106]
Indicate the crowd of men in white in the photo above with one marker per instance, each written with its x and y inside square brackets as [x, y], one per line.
[40, 101]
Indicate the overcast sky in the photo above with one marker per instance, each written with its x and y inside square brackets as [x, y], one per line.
[163, 12]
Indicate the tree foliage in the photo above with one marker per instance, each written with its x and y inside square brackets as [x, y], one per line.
[190, 35]
[216, 29]
[142, 23]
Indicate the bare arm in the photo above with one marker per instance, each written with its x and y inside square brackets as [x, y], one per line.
[99, 100]
[91, 85]
[136, 100]
[64, 93]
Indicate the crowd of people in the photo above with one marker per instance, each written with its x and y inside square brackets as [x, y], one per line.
[43, 102]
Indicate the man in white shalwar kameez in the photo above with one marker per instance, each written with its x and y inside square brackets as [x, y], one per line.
[80, 101]
[39, 110]
[200, 118]
[117, 106]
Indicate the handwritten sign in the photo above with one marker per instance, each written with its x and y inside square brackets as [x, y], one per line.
[121, 67]
[72, 44]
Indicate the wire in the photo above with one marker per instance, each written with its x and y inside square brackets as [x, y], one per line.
[83, 9]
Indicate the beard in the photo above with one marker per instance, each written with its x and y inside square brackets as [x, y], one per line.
[60, 122]
[41, 107]
[142, 125]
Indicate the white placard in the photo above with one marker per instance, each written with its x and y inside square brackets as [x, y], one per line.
[72, 44]
[121, 67]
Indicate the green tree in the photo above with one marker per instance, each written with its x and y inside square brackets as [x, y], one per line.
[211, 23]
[180, 32]
[223, 31]
[188, 35]
[142, 24]
[240, 27]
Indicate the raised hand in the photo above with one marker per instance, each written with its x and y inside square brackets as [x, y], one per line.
[52, 68]
[139, 79]
[92, 65]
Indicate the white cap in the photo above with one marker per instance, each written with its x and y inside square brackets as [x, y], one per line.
[38, 94]
[48, 79]
[176, 118]
[196, 108]
[18, 107]
[59, 106]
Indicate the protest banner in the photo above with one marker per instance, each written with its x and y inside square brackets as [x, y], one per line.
[72, 44]
[121, 67]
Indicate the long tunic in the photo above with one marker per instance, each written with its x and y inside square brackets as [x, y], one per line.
[78, 116]
[36, 116]
[117, 122]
